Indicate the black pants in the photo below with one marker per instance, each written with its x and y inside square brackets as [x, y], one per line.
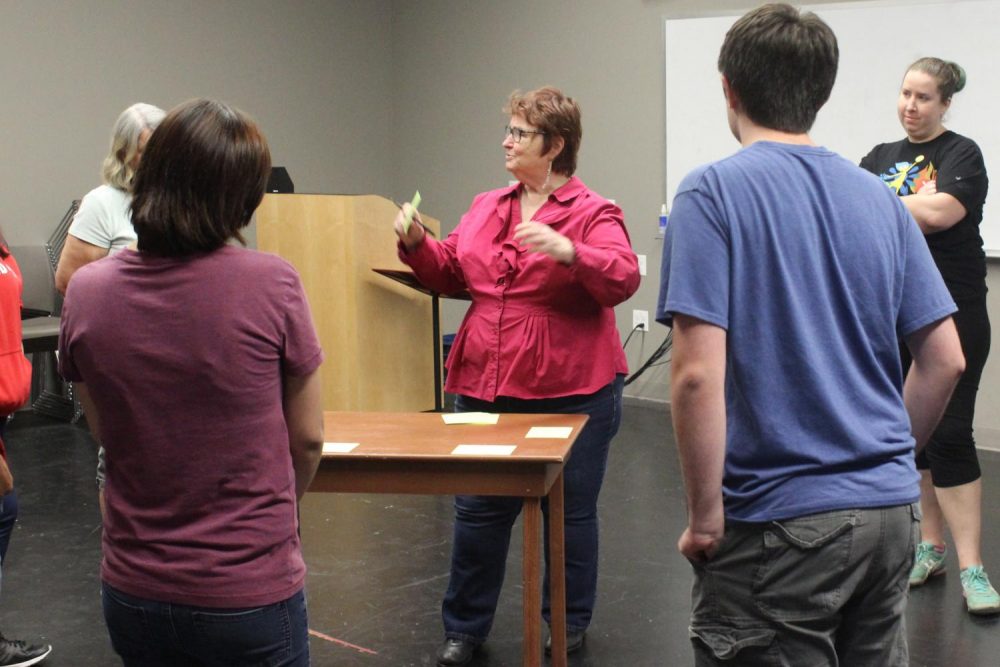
[951, 453]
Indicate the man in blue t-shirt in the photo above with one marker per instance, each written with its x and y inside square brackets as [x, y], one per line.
[788, 276]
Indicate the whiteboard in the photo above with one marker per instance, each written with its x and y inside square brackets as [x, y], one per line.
[877, 40]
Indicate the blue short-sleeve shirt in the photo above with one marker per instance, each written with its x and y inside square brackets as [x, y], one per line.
[815, 270]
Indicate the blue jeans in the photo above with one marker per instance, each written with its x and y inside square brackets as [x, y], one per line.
[8, 511]
[146, 633]
[8, 517]
[483, 523]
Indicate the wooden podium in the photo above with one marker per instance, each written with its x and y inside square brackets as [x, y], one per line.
[376, 333]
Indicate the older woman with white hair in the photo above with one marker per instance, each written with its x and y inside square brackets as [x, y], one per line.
[103, 225]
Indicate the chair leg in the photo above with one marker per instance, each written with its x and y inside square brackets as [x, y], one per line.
[52, 400]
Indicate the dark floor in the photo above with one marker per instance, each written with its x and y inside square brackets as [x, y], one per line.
[378, 566]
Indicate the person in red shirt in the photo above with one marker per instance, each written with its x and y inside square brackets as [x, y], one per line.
[546, 261]
[15, 387]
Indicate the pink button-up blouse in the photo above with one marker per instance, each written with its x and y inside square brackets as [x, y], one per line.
[536, 328]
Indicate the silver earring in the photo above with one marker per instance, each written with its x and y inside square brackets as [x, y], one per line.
[548, 175]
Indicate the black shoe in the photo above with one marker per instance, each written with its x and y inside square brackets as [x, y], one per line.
[15, 653]
[455, 652]
[574, 641]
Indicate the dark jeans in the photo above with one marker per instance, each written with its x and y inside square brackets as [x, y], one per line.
[819, 590]
[146, 633]
[483, 523]
[8, 511]
[8, 517]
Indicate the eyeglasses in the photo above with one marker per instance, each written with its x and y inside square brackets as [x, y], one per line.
[518, 133]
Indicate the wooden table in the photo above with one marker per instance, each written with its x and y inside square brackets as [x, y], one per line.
[412, 453]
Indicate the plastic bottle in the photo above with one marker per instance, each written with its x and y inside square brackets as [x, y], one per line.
[663, 221]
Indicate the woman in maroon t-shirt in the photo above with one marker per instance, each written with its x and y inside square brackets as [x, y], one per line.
[198, 364]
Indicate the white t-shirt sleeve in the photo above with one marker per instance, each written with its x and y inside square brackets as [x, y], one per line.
[103, 220]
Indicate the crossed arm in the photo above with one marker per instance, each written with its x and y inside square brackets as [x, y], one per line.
[934, 211]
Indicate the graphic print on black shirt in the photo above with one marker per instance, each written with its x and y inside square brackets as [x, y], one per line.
[956, 164]
[906, 178]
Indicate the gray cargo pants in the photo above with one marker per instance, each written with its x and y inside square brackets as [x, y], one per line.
[825, 589]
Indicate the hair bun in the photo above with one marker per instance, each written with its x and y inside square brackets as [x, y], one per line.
[959, 76]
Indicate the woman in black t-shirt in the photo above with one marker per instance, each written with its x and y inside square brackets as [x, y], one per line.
[941, 178]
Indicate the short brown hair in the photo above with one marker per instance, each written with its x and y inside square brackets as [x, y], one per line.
[781, 64]
[200, 180]
[554, 114]
[949, 76]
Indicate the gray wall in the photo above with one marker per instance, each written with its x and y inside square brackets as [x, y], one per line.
[455, 64]
[383, 96]
[315, 74]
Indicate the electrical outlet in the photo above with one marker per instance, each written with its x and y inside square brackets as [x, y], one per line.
[642, 264]
[640, 318]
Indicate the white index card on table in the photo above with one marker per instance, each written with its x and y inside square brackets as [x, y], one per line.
[470, 418]
[560, 432]
[484, 450]
[339, 447]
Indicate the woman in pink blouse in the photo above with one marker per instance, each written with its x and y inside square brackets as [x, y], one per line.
[546, 261]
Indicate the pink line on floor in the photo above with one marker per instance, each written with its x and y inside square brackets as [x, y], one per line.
[341, 642]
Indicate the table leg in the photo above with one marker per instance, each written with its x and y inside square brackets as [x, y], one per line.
[532, 647]
[557, 573]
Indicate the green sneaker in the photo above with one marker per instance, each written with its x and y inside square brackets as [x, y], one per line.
[927, 563]
[980, 596]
